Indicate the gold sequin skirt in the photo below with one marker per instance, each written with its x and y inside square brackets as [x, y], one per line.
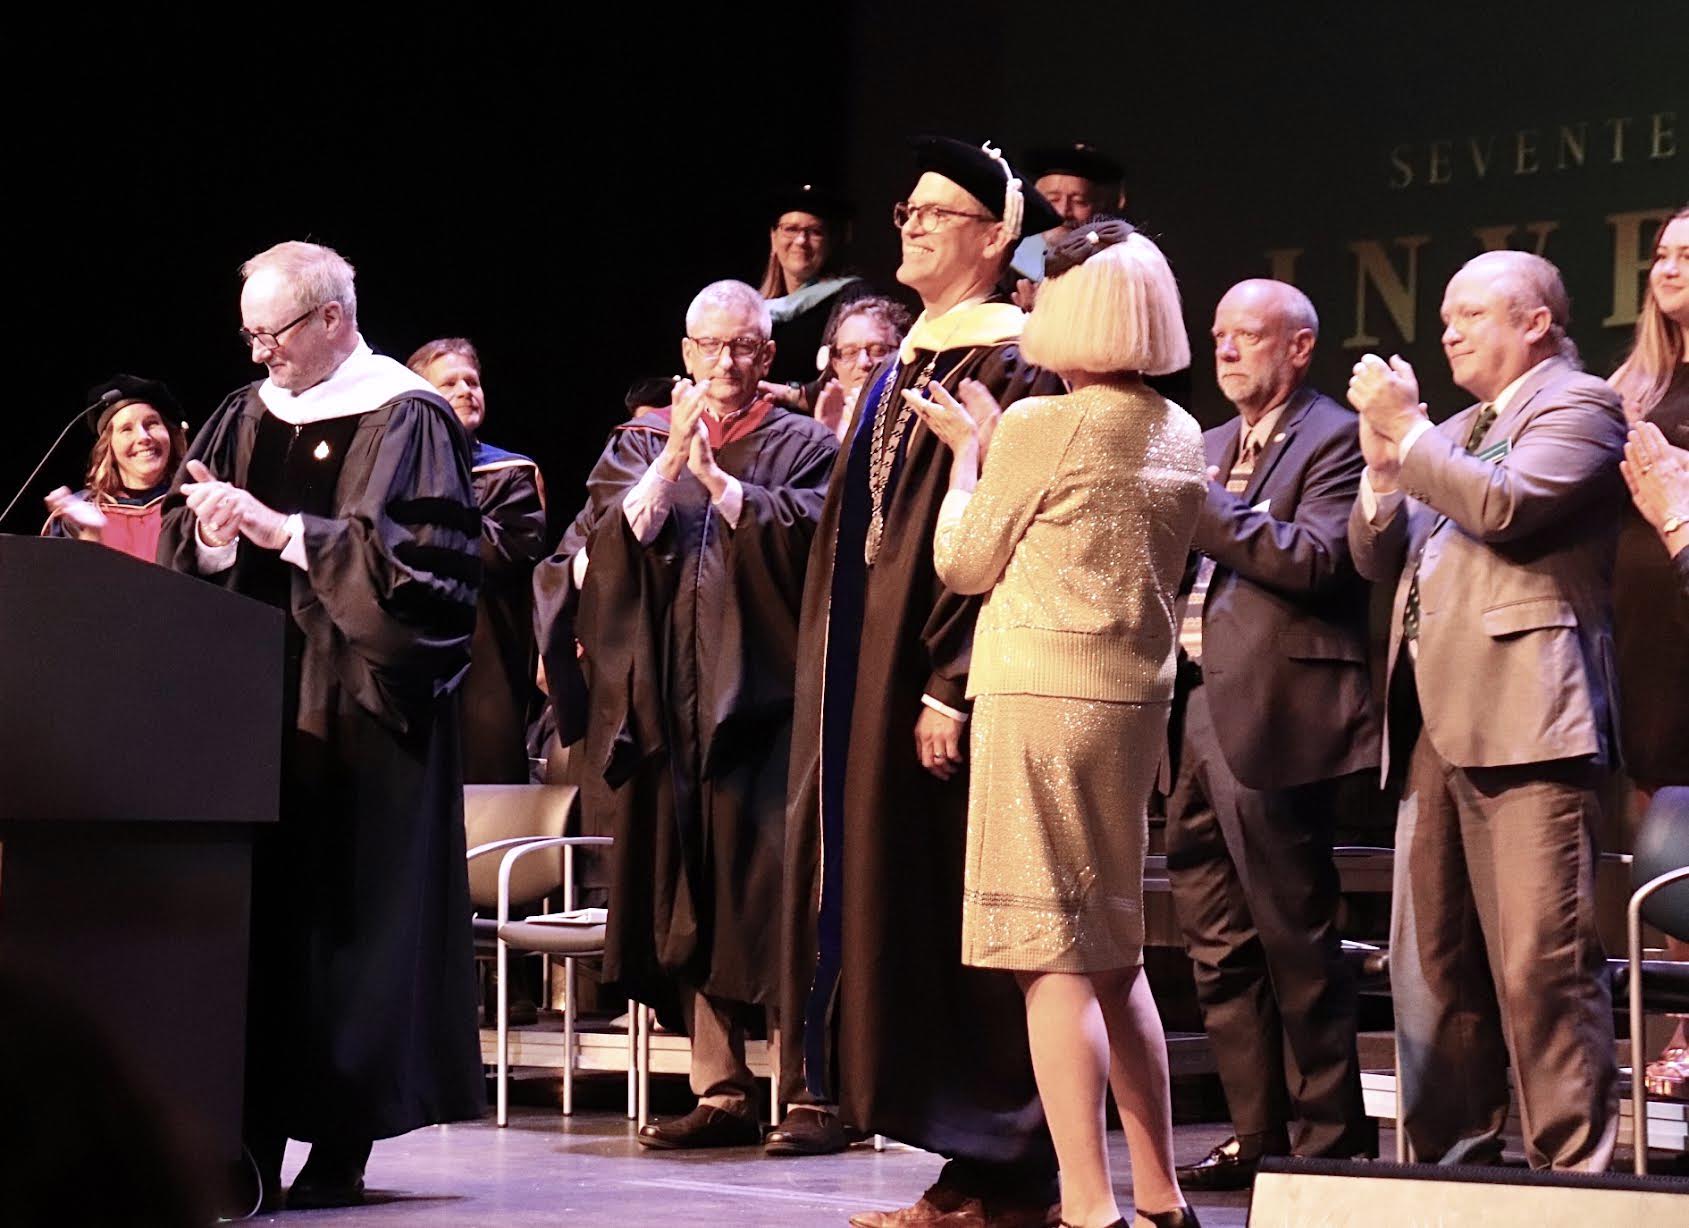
[1056, 832]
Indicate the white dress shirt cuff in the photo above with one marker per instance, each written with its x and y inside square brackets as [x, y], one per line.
[1378, 509]
[294, 551]
[577, 567]
[646, 505]
[954, 715]
[730, 502]
[1412, 437]
[212, 559]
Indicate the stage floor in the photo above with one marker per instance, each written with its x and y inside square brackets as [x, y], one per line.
[588, 1172]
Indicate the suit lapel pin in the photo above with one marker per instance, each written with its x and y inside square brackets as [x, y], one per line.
[321, 450]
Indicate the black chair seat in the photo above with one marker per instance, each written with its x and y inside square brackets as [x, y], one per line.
[1665, 986]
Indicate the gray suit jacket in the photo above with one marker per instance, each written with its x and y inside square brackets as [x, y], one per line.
[1515, 562]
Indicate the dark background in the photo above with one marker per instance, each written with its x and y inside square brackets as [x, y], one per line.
[557, 186]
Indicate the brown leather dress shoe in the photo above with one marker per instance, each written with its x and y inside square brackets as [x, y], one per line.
[944, 1207]
[806, 1132]
[704, 1126]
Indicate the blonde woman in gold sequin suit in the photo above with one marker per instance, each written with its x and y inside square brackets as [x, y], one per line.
[1077, 532]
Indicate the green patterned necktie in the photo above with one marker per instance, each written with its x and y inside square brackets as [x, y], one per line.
[1474, 440]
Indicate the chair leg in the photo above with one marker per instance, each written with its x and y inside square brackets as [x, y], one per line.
[568, 1037]
[633, 1062]
[773, 1083]
[1402, 1155]
[1638, 1058]
[644, 1058]
[503, 1033]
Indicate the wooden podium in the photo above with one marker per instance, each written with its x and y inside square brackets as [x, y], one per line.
[140, 745]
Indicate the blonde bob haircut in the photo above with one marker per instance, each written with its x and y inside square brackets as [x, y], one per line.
[1118, 311]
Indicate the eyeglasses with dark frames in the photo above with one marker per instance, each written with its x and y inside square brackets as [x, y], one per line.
[739, 347]
[850, 353]
[271, 338]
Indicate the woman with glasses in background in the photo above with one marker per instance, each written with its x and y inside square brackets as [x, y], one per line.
[804, 282]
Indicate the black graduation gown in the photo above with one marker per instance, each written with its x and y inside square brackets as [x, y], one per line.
[893, 1027]
[689, 655]
[362, 1004]
[798, 338]
[500, 684]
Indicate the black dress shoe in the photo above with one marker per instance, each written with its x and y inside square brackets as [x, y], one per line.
[704, 1126]
[1224, 1168]
[332, 1176]
[806, 1132]
[1178, 1217]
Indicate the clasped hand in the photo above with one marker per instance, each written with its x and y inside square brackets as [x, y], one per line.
[1386, 395]
[225, 512]
[688, 445]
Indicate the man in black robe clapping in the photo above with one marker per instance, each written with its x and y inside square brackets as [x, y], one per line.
[681, 582]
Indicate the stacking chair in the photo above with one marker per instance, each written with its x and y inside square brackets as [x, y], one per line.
[525, 824]
[1661, 859]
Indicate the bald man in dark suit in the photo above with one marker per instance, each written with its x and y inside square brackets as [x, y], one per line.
[1278, 737]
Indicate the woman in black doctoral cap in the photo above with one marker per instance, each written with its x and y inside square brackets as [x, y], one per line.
[138, 444]
[804, 280]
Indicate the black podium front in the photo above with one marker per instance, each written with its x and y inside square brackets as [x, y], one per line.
[140, 743]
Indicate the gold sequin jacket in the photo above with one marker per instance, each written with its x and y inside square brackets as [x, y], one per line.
[1078, 532]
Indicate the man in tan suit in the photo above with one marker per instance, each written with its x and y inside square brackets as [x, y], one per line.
[1503, 522]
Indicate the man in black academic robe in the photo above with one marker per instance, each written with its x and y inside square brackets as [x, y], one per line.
[338, 490]
[681, 582]
[895, 1031]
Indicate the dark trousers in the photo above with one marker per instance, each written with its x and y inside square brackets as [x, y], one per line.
[1256, 894]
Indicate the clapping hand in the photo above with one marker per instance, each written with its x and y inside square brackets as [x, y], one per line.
[963, 423]
[225, 511]
[1386, 394]
[1658, 476]
[686, 412]
[831, 405]
[86, 520]
[700, 459]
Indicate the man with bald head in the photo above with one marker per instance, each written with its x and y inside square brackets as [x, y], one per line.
[1503, 523]
[1275, 728]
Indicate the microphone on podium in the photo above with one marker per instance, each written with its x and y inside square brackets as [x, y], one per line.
[106, 398]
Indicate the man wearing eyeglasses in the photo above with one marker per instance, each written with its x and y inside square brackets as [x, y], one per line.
[338, 490]
[680, 580]
[898, 1038]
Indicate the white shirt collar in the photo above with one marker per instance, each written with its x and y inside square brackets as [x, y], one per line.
[363, 382]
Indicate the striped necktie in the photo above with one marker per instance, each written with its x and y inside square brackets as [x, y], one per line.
[1474, 440]
[1190, 627]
